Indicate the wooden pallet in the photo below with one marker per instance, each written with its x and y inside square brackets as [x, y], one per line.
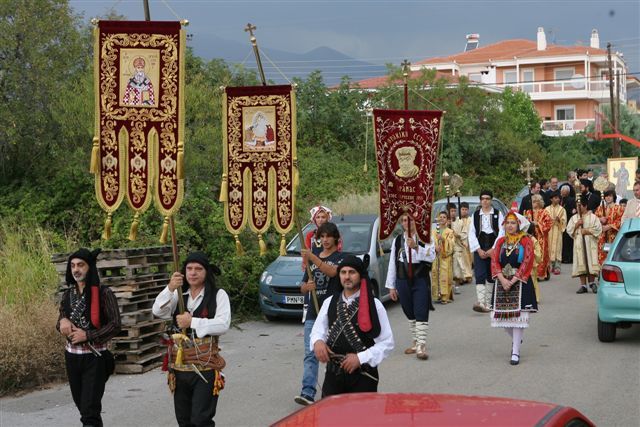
[134, 318]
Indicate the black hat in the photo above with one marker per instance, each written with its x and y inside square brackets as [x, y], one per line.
[368, 321]
[202, 259]
[587, 183]
[486, 193]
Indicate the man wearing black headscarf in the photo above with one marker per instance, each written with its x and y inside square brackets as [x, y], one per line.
[195, 376]
[89, 318]
[352, 334]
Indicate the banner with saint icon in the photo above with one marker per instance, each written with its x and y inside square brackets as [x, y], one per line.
[260, 173]
[406, 151]
[138, 147]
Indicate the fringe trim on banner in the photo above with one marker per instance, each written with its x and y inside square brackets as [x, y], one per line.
[95, 156]
[262, 244]
[165, 230]
[283, 246]
[106, 234]
[180, 165]
[133, 232]
[223, 189]
[239, 248]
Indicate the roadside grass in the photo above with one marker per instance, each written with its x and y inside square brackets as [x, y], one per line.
[31, 353]
[353, 204]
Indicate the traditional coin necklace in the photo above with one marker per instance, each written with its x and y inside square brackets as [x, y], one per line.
[511, 243]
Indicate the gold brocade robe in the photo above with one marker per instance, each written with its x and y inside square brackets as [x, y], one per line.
[559, 216]
[461, 254]
[591, 223]
[613, 218]
[442, 268]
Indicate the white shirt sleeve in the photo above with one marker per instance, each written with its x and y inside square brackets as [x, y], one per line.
[220, 323]
[500, 228]
[474, 245]
[321, 325]
[165, 303]
[427, 252]
[383, 343]
[391, 270]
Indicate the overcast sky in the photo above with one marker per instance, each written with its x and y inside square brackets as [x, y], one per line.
[389, 31]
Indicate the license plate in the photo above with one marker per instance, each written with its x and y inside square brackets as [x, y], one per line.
[294, 299]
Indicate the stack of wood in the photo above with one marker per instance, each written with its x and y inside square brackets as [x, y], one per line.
[136, 277]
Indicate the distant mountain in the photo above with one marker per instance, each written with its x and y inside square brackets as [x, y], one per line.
[332, 63]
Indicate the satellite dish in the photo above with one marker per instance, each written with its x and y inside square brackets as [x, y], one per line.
[577, 81]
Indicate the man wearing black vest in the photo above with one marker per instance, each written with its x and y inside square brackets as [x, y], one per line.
[195, 377]
[89, 318]
[484, 230]
[411, 283]
[352, 334]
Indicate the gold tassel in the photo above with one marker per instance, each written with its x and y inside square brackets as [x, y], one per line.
[283, 246]
[380, 251]
[95, 154]
[263, 245]
[223, 189]
[239, 249]
[165, 231]
[365, 168]
[180, 166]
[133, 232]
[296, 173]
[106, 234]
[179, 356]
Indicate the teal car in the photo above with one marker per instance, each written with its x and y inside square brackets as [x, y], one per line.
[619, 290]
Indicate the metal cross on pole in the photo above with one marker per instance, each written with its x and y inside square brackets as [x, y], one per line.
[254, 43]
[526, 168]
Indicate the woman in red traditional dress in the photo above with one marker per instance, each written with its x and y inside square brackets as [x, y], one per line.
[610, 216]
[542, 223]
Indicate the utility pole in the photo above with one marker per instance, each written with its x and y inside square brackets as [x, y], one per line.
[147, 14]
[616, 142]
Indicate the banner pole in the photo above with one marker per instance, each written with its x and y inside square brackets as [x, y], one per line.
[405, 73]
[254, 43]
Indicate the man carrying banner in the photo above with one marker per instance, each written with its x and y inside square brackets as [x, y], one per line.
[352, 334]
[195, 373]
[408, 280]
[485, 228]
[89, 318]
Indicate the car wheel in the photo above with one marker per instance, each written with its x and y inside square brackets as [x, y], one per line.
[606, 331]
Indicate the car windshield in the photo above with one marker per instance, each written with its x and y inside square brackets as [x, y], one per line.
[628, 249]
[355, 236]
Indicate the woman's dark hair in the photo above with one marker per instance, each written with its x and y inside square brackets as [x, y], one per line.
[330, 229]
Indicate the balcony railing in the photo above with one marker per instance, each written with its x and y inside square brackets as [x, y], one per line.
[565, 127]
[594, 88]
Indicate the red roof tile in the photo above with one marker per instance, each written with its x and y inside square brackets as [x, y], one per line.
[376, 82]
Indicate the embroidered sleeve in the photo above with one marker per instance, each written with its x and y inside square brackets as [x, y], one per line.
[448, 242]
[544, 221]
[111, 315]
[524, 271]
[61, 314]
[495, 258]
[571, 227]
[616, 217]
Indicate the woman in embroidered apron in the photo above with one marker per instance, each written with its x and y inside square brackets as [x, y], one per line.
[513, 293]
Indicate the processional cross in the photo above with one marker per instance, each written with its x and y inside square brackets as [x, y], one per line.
[250, 29]
[526, 168]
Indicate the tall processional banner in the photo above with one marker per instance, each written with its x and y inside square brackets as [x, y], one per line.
[259, 163]
[138, 147]
[406, 151]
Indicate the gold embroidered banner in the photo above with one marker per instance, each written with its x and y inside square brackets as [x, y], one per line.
[259, 166]
[138, 147]
[406, 150]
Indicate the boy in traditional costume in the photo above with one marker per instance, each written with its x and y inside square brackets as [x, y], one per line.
[352, 334]
[585, 228]
[442, 270]
[462, 272]
[195, 365]
[484, 230]
[408, 280]
[89, 318]
[610, 216]
[558, 215]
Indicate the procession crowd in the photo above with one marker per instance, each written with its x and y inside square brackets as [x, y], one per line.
[345, 326]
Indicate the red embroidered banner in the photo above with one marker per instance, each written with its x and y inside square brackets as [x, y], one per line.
[139, 131]
[260, 171]
[406, 150]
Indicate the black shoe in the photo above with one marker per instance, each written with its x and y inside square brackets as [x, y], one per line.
[582, 290]
[594, 288]
[515, 359]
[303, 400]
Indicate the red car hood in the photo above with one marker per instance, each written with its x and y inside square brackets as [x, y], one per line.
[396, 409]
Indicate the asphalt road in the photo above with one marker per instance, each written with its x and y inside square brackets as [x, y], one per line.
[562, 361]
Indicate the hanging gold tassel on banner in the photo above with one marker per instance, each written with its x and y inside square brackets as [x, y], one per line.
[180, 165]
[283, 246]
[223, 189]
[239, 249]
[263, 245]
[95, 154]
[106, 234]
[165, 231]
[133, 232]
